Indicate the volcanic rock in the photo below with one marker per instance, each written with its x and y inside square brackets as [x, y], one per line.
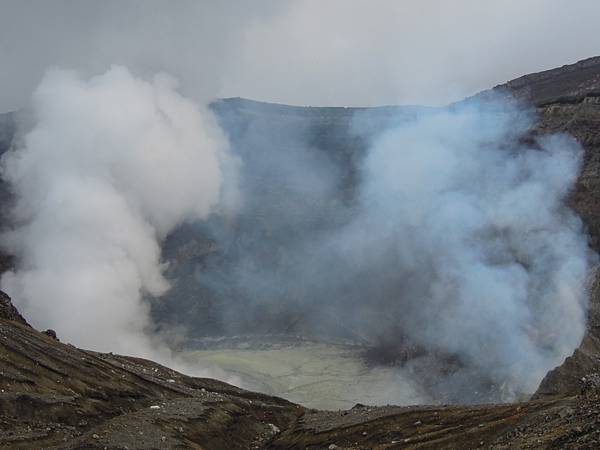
[8, 310]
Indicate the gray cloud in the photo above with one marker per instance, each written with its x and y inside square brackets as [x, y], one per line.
[302, 52]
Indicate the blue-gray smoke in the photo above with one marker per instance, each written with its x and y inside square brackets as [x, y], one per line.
[438, 237]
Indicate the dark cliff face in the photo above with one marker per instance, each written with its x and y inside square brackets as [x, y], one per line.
[568, 100]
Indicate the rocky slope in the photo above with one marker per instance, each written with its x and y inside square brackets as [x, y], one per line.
[56, 396]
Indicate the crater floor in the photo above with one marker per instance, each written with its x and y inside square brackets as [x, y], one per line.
[313, 374]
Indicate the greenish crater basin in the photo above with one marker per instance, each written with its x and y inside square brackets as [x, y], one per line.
[315, 374]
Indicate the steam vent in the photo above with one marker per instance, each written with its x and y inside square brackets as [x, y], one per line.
[299, 225]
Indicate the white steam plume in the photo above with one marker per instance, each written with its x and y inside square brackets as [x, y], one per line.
[112, 164]
[453, 238]
[473, 221]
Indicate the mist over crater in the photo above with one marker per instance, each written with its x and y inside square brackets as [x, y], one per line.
[438, 239]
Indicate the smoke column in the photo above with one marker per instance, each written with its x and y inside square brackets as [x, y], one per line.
[111, 165]
[446, 231]
[487, 261]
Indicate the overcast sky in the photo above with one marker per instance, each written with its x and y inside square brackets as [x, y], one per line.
[309, 52]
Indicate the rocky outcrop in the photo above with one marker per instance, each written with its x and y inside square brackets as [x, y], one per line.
[567, 84]
[8, 311]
